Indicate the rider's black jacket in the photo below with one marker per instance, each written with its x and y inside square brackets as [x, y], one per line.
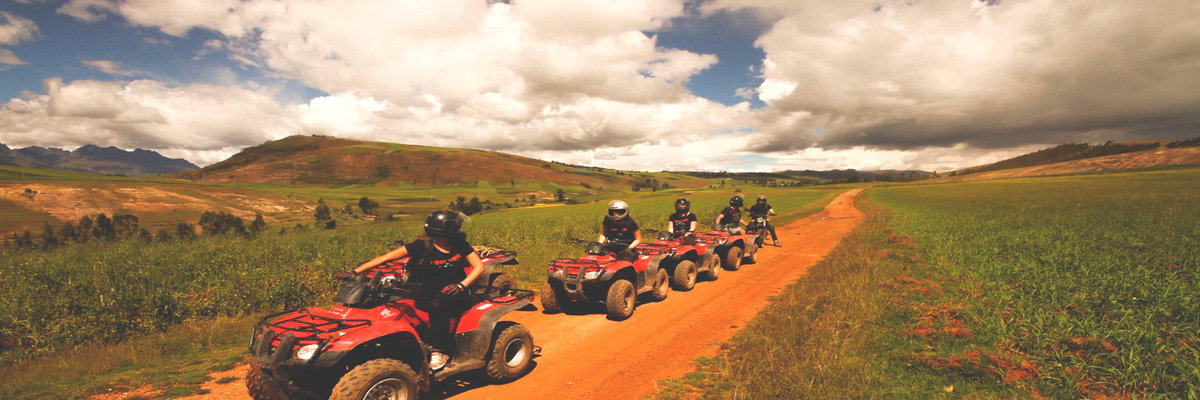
[759, 209]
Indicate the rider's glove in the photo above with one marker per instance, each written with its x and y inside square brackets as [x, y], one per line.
[453, 289]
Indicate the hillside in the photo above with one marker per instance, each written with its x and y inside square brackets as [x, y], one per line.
[326, 161]
[95, 160]
[813, 177]
[1142, 159]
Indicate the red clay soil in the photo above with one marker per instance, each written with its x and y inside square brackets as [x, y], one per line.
[590, 357]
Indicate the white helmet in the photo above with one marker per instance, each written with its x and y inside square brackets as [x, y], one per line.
[618, 209]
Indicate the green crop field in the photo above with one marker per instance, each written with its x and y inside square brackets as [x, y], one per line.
[1066, 287]
[112, 292]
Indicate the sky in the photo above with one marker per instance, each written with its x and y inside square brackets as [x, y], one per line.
[735, 85]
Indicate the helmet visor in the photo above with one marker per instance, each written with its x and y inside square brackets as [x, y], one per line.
[616, 213]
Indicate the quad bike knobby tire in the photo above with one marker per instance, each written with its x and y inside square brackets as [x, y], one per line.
[661, 285]
[714, 267]
[382, 378]
[685, 276]
[501, 282]
[260, 387]
[511, 355]
[621, 300]
[550, 299]
[733, 259]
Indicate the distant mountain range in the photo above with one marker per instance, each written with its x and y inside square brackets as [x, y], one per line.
[95, 160]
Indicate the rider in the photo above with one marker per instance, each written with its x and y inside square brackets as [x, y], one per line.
[762, 209]
[732, 215]
[620, 232]
[682, 222]
[444, 260]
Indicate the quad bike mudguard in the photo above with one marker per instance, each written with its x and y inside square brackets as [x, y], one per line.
[473, 336]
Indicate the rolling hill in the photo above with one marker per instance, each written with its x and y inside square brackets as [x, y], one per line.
[95, 160]
[327, 161]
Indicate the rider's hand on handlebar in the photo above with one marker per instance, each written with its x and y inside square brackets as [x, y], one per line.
[453, 289]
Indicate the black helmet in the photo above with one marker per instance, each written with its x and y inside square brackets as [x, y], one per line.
[736, 201]
[447, 224]
[618, 209]
[762, 198]
[683, 205]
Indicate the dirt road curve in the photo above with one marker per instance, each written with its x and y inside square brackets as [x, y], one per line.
[590, 357]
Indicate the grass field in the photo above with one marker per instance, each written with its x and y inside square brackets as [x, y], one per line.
[1065, 287]
[81, 295]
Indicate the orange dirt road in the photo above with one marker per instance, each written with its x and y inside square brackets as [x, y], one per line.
[590, 357]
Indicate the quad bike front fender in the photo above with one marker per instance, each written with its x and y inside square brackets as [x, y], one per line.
[473, 337]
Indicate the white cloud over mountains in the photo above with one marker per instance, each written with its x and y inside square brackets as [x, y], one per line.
[886, 84]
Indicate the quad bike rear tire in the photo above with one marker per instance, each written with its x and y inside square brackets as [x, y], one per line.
[500, 282]
[713, 263]
[662, 285]
[551, 299]
[377, 378]
[622, 299]
[511, 355]
[733, 259]
[260, 387]
[685, 276]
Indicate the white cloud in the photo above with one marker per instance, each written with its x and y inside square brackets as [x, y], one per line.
[7, 57]
[110, 67]
[15, 29]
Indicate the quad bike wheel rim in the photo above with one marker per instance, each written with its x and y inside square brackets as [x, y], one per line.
[515, 353]
[387, 389]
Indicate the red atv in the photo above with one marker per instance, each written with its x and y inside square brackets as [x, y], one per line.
[730, 244]
[371, 347]
[686, 257]
[759, 227]
[600, 276]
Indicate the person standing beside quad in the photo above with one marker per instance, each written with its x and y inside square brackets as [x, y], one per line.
[762, 209]
[682, 223]
[619, 232]
[732, 215]
[444, 260]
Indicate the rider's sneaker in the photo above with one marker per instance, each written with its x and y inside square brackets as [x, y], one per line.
[438, 360]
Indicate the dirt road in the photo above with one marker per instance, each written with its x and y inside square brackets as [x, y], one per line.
[590, 357]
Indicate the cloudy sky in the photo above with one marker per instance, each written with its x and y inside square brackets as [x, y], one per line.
[634, 84]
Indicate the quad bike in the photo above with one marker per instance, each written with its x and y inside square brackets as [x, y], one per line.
[373, 346]
[686, 258]
[759, 227]
[600, 276]
[729, 242]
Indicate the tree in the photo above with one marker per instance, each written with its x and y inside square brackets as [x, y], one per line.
[322, 212]
[25, 240]
[474, 207]
[215, 223]
[185, 231]
[560, 195]
[67, 233]
[104, 228]
[163, 236]
[144, 236]
[258, 225]
[331, 224]
[368, 206]
[49, 239]
[84, 230]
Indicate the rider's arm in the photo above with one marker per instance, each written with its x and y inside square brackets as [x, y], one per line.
[399, 252]
[670, 227]
[692, 226]
[637, 238]
[602, 239]
[476, 269]
[771, 211]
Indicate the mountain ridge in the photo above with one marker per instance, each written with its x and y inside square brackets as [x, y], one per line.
[94, 159]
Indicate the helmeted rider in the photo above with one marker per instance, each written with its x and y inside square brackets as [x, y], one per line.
[620, 233]
[732, 215]
[762, 209]
[682, 223]
[444, 260]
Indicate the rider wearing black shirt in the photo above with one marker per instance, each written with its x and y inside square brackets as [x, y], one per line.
[619, 231]
[762, 209]
[447, 263]
[682, 222]
[731, 215]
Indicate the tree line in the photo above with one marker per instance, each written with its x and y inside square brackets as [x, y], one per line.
[101, 227]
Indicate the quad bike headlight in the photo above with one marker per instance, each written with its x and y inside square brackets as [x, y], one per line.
[593, 274]
[306, 352]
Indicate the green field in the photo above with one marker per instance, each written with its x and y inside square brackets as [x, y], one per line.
[1064, 287]
[83, 294]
